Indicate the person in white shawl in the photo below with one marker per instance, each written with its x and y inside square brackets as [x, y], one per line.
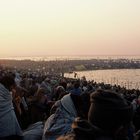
[60, 122]
[9, 125]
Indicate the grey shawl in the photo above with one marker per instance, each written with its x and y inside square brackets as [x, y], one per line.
[34, 132]
[8, 121]
[60, 122]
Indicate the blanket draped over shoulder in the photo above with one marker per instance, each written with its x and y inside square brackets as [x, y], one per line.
[8, 121]
[60, 122]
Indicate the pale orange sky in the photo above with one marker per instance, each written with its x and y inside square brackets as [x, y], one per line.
[69, 27]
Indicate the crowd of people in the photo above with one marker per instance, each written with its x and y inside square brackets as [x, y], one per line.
[34, 106]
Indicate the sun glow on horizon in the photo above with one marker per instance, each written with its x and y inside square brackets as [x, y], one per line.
[69, 27]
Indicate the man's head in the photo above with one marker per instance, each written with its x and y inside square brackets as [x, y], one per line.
[8, 80]
[109, 111]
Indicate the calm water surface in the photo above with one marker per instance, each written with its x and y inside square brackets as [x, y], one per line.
[129, 78]
[81, 57]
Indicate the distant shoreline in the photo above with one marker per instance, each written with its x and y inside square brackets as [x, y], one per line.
[65, 66]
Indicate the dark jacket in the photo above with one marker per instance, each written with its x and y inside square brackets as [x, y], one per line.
[83, 130]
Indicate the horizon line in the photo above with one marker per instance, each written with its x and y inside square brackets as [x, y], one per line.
[72, 55]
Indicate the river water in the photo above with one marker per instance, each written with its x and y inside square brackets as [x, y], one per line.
[129, 78]
[80, 57]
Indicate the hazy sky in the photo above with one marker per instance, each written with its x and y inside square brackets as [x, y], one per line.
[69, 27]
